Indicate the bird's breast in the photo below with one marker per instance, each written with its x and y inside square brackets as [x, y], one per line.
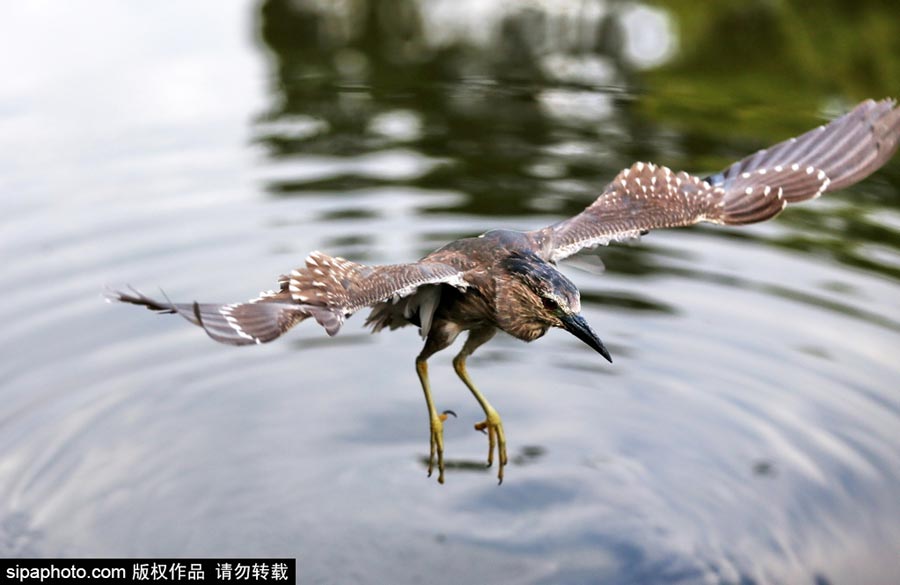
[469, 309]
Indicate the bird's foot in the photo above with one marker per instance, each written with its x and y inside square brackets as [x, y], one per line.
[437, 443]
[493, 427]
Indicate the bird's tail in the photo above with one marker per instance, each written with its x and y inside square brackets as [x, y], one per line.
[828, 158]
[258, 320]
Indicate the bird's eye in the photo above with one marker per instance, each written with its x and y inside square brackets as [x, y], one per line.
[550, 304]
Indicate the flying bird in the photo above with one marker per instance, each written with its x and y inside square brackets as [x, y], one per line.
[508, 280]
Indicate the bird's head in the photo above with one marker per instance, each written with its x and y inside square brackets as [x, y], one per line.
[534, 296]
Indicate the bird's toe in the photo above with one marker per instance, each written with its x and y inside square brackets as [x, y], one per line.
[492, 425]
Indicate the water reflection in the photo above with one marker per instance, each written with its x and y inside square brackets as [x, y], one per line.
[517, 107]
[469, 89]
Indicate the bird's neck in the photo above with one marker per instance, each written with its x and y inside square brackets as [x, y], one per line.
[517, 316]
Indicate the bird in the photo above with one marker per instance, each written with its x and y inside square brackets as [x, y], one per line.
[506, 280]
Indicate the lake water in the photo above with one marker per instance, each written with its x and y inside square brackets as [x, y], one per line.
[748, 431]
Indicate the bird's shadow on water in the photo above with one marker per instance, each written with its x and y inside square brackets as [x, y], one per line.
[525, 456]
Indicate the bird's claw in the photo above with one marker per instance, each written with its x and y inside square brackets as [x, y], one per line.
[493, 427]
[437, 446]
[437, 443]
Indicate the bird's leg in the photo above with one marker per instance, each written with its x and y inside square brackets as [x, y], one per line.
[492, 424]
[437, 421]
[440, 336]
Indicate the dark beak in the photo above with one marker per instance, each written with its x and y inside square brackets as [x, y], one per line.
[577, 326]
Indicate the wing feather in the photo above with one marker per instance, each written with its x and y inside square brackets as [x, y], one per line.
[337, 288]
[258, 320]
[646, 196]
[326, 288]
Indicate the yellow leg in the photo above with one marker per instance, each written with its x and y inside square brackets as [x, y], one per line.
[437, 422]
[492, 424]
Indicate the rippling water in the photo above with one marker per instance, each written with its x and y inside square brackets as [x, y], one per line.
[748, 432]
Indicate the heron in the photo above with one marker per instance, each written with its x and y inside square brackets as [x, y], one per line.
[505, 280]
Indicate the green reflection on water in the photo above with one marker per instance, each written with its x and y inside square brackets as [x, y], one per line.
[537, 113]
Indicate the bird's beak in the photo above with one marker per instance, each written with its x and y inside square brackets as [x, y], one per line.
[577, 326]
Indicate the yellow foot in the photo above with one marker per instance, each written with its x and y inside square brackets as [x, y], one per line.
[437, 443]
[493, 426]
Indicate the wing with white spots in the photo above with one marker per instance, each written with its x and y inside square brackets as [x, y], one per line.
[326, 288]
[258, 320]
[335, 288]
[647, 196]
[828, 158]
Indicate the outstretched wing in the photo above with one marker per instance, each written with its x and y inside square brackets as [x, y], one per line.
[756, 188]
[326, 288]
